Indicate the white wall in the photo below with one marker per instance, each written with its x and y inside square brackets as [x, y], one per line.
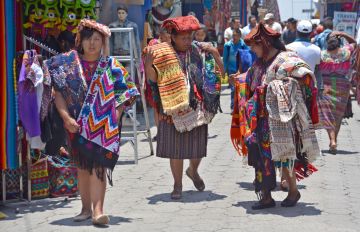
[294, 8]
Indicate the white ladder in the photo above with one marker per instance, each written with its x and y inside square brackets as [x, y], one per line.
[134, 67]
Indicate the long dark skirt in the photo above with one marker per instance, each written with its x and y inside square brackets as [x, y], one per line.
[265, 175]
[175, 145]
[92, 157]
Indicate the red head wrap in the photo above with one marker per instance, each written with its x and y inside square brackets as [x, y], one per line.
[181, 24]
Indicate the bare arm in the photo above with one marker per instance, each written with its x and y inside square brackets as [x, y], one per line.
[207, 47]
[69, 123]
[150, 72]
[349, 38]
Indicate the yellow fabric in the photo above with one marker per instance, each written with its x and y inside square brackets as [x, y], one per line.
[173, 89]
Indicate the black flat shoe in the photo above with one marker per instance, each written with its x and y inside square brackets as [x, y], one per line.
[259, 205]
[290, 203]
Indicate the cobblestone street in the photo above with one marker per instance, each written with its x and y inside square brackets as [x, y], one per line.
[140, 199]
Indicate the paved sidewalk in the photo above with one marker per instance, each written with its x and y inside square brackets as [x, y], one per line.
[140, 200]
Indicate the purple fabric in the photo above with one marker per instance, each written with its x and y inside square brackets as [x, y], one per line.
[28, 106]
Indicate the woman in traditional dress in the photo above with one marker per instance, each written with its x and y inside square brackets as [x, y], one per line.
[91, 91]
[188, 94]
[274, 110]
[335, 70]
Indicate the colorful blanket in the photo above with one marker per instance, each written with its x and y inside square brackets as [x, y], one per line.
[108, 90]
[172, 82]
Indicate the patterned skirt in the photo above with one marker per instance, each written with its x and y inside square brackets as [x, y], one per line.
[92, 157]
[333, 102]
[175, 145]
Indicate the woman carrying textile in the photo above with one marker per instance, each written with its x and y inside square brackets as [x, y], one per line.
[164, 36]
[91, 91]
[274, 112]
[188, 95]
[335, 70]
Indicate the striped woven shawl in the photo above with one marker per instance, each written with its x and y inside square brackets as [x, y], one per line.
[173, 87]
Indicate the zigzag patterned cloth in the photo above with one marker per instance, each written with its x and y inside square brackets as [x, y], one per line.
[97, 117]
[173, 88]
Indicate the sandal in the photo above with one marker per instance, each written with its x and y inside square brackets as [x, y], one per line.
[82, 217]
[176, 194]
[198, 183]
[101, 220]
[291, 203]
[261, 205]
[332, 149]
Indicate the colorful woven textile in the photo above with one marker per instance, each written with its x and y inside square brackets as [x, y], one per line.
[94, 107]
[289, 122]
[39, 176]
[172, 81]
[335, 71]
[8, 155]
[182, 24]
[290, 83]
[107, 91]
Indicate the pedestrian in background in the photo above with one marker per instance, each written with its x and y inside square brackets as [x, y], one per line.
[289, 34]
[321, 39]
[228, 33]
[270, 22]
[230, 51]
[335, 68]
[252, 24]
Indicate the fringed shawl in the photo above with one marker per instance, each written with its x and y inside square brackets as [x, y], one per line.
[110, 88]
[290, 84]
[172, 81]
[194, 78]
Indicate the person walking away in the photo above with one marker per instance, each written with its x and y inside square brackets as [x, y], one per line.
[335, 68]
[321, 39]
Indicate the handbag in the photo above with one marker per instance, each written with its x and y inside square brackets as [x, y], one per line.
[39, 176]
[63, 177]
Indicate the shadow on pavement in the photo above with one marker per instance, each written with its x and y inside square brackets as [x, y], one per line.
[250, 187]
[18, 210]
[212, 136]
[340, 152]
[114, 220]
[301, 209]
[187, 197]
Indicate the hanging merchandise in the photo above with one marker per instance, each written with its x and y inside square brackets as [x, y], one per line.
[50, 4]
[53, 21]
[29, 3]
[87, 8]
[69, 21]
[66, 5]
[35, 24]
